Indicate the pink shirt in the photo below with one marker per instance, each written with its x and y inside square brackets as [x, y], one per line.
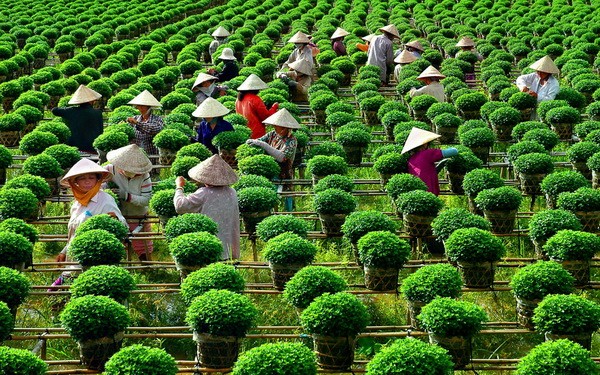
[422, 165]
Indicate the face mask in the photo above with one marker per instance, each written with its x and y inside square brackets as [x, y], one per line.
[209, 89]
[298, 45]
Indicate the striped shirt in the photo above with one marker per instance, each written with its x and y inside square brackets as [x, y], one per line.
[138, 190]
[288, 146]
[145, 130]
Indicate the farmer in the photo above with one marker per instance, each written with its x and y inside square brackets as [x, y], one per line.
[302, 51]
[337, 41]
[415, 47]
[299, 79]
[365, 47]
[205, 87]
[541, 84]
[431, 77]
[220, 34]
[146, 124]
[467, 44]
[230, 66]
[211, 112]
[404, 58]
[252, 107]
[380, 51]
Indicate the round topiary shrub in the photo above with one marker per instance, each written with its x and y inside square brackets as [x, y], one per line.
[581, 200]
[106, 222]
[196, 249]
[481, 179]
[520, 129]
[138, 359]
[545, 224]
[110, 281]
[566, 314]
[334, 201]
[452, 219]
[410, 357]
[429, 282]
[470, 102]
[337, 315]
[275, 225]
[522, 148]
[311, 282]
[383, 249]
[422, 102]
[213, 276]
[564, 181]
[322, 165]
[109, 141]
[359, 223]
[249, 180]
[260, 165]
[171, 139]
[545, 137]
[334, 181]
[403, 183]
[14, 289]
[257, 199]
[94, 317]
[36, 142]
[506, 117]
[536, 281]
[19, 361]
[36, 184]
[289, 248]
[562, 115]
[569, 244]
[284, 358]
[15, 250]
[580, 152]
[419, 202]
[557, 357]
[449, 317]
[20, 227]
[534, 163]
[504, 198]
[96, 247]
[481, 137]
[66, 156]
[189, 223]
[162, 203]
[474, 245]
[42, 165]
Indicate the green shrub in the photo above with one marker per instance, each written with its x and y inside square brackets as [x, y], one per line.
[522, 148]
[410, 357]
[96, 247]
[431, 281]
[109, 141]
[196, 249]
[19, 361]
[534, 163]
[463, 163]
[422, 102]
[322, 165]
[545, 224]
[480, 137]
[110, 281]
[311, 282]
[214, 276]
[229, 140]
[546, 137]
[20, 227]
[557, 357]
[138, 359]
[261, 165]
[249, 180]
[536, 281]
[162, 203]
[106, 222]
[564, 181]
[289, 248]
[504, 198]
[481, 179]
[171, 139]
[326, 148]
[282, 358]
[582, 199]
[334, 181]
[383, 249]
[42, 165]
[474, 245]
[94, 317]
[197, 150]
[353, 137]
[449, 317]
[488, 108]
[566, 314]
[572, 245]
[60, 130]
[15, 287]
[5, 157]
[338, 315]
[359, 223]
[7, 322]
[66, 156]
[505, 117]
[403, 183]
[391, 163]
[437, 109]
[520, 129]
[19, 203]
[522, 100]
[563, 115]
[278, 224]
[37, 185]
[456, 218]
[547, 105]
[580, 152]
[470, 102]
[418, 202]
[257, 199]
[334, 201]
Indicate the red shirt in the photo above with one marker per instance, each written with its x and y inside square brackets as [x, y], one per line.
[422, 165]
[254, 110]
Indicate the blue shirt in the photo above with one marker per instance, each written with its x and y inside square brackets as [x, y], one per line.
[205, 133]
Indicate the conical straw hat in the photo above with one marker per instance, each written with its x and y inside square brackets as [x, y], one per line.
[227, 54]
[368, 38]
[84, 166]
[221, 32]
[210, 108]
[253, 82]
[339, 33]
[391, 29]
[84, 95]
[203, 77]
[303, 66]
[465, 42]
[418, 137]
[431, 72]
[283, 118]
[145, 98]
[545, 64]
[214, 171]
[405, 57]
[416, 45]
[299, 37]
[130, 158]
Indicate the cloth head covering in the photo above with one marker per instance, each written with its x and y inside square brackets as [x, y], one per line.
[465, 42]
[391, 29]
[431, 72]
[415, 44]
[282, 118]
[221, 32]
[546, 65]
[368, 38]
[214, 171]
[203, 77]
[339, 33]
[303, 66]
[405, 57]
[84, 95]
[299, 37]
[253, 82]
[130, 158]
[227, 54]
[145, 98]
[418, 137]
[210, 108]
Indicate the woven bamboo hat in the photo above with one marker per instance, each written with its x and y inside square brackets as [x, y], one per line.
[145, 98]
[130, 158]
[416, 45]
[465, 42]
[84, 95]
[214, 171]
[210, 108]
[220, 32]
[84, 166]
[227, 54]
[203, 77]
[339, 33]
[405, 57]
[282, 118]
[299, 37]
[431, 72]
[368, 38]
[391, 29]
[303, 66]
[418, 137]
[545, 64]
[253, 82]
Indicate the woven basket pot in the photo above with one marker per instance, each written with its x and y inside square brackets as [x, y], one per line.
[166, 156]
[502, 222]
[525, 312]
[252, 219]
[334, 353]
[418, 226]
[228, 156]
[95, 353]
[478, 275]
[216, 351]
[590, 220]
[455, 182]
[579, 269]
[583, 339]
[282, 273]
[331, 224]
[564, 131]
[414, 309]
[459, 348]
[381, 279]
[530, 183]
[354, 154]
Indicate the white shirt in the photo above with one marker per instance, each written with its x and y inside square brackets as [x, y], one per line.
[134, 193]
[434, 89]
[381, 54]
[299, 54]
[544, 92]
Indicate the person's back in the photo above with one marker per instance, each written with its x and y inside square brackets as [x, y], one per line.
[85, 124]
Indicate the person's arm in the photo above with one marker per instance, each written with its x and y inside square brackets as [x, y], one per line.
[389, 54]
[143, 198]
[57, 111]
[152, 126]
[523, 82]
[187, 204]
[550, 92]
[260, 109]
[448, 152]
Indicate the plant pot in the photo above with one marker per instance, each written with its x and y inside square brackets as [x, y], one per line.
[477, 274]
[503, 222]
[459, 348]
[583, 339]
[448, 135]
[418, 226]
[526, 114]
[564, 131]
[334, 353]
[355, 252]
[331, 224]
[595, 179]
[530, 183]
[551, 201]
[185, 270]
[251, 220]
[389, 133]
[579, 269]
[39, 63]
[503, 133]
[216, 351]
[473, 206]
[482, 152]
[282, 273]
[590, 220]
[383, 180]
[229, 157]
[414, 309]
[166, 156]
[370, 117]
[10, 138]
[95, 353]
[381, 279]
[525, 312]
[582, 168]
[455, 182]
[347, 80]
[320, 116]
[315, 179]
[469, 115]
[419, 115]
[102, 156]
[353, 154]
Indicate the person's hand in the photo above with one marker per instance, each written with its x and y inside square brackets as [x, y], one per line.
[525, 89]
[533, 93]
[61, 257]
[112, 214]
[179, 182]
[250, 142]
[131, 120]
[122, 194]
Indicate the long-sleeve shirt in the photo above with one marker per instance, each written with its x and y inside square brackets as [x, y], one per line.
[339, 48]
[145, 130]
[230, 71]
[434, 89]
[381, 54]
[220, 203]
[288, 146]
[422, 165]
[134, 193]
[300, 90]
[255, 111]
[299, 54]
[85, 124]
[544, 92]
[205, 133]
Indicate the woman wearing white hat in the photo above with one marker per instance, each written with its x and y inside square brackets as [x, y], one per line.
[431, 77]
[415, 48]
[220, 34]
[337, 41]
[205, 87]
[146, 124]
[365, 47]
[299, 79]
[131, 168]
[381, 53]
[215, 200]
[211, 112]
[252, 107]
[301, 52]
[467, 44]
[84, 121]
[85, 179]
[230, 66]
[541, 84]
[404, 58]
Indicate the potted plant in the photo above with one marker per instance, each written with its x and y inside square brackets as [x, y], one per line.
[458, 166]
[137, 359]
[168, 142]
[192, 251]
[109, 141]
[393, 117]
[336, 181]
[227, 144]
[533, 282]
[402, 183]
[106, 222]
[452, 324]
[452, 219]
[277, 224]
[419, 106]
[574, 250]
[332, 206]
[19, 203]
[286, 254]
[5, 162]
[524, 103]
[20, 227]
[532, 168]
[390, 164]
[567, 316]
[545, 224]
[383, 254]
[560, 182]
[479, 140]
[260, 165]
[36, 184]
[354, 141]
[162, 205]
[579, 153]
[322, 165]
[220, 318]
[256, 203]
[562, 120]
[545, 137]
[468, 105]
[503, 120]
[96, 247]
[20, 361]
[334, 320]
[214, 276]
[15, 288]
[45, 166]
[499, 206]
[557, 356]
[419, 208]
[66, 156]
[369, 107]
[36, 142]
[287, 357]
[189, 223]
[97, 324]
[319, 103]
[478, 180]
[522, 148]
[309, 283]
[359, 223]
[593, 164]
[476, 253]
[585, 204]
[446, 125]
[111, 281]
